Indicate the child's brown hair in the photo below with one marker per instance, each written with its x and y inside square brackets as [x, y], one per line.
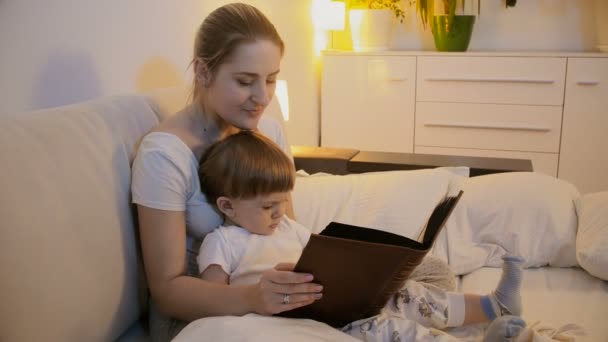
[245, 165]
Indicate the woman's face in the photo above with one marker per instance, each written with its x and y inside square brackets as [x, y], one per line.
[243, 86]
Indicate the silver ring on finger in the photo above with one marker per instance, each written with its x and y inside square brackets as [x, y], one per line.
[286, 299]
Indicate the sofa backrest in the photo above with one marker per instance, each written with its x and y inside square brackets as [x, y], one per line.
[69, 251]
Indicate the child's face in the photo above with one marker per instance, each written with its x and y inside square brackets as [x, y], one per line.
[260, 215]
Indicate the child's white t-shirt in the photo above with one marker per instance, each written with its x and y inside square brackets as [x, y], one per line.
[245, 256]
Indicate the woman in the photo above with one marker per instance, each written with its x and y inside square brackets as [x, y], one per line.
[237, 57]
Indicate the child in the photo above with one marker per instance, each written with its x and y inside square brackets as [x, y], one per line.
[248, 179]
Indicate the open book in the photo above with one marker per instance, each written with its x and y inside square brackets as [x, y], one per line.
[361, 268]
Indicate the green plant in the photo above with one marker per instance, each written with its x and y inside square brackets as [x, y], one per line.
[394, 5]
[426, 8]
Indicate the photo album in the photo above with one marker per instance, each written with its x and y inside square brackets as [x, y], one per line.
[361, 268]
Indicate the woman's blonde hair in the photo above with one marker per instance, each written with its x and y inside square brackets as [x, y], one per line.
[243, 166]
[224, 29]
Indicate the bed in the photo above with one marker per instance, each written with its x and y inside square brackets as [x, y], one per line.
[506, 208]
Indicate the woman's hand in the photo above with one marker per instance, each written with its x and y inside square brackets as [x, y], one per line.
[280, 289]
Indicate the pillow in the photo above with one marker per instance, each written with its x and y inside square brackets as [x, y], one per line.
[592, 235]
[524, 213]
[397, 201]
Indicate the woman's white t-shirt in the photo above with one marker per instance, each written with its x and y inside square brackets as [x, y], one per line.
[165, 176]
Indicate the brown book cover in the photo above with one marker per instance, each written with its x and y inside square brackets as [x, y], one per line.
[361, 268]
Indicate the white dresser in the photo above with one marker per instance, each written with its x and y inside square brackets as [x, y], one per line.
[551, 108]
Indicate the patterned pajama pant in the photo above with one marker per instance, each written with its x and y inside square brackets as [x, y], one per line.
[417, 312]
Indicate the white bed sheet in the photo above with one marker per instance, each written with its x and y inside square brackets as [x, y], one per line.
[554, 296]
[254, 328]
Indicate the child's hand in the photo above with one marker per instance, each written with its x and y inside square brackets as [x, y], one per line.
[280, 289]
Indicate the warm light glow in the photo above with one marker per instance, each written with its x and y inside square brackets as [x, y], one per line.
[283, 97]
[320, 42]
[326, 15]
[356, 18]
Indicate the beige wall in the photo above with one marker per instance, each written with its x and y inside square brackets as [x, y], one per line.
[57, 52]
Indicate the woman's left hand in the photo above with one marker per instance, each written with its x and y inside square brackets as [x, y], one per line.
[280, 289]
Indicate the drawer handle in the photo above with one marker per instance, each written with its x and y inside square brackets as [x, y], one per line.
[396, 79]
[587, 83]
[488, 126]
[490, 80]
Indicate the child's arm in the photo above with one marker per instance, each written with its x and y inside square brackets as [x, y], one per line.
[215, 273]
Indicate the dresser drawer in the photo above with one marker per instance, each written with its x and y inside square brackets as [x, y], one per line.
[497, 80]
[541, 162]
[488, 126]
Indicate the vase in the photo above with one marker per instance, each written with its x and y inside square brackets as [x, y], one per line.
[370, 29]
[452, 34]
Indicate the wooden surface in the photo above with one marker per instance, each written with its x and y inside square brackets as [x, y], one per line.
[344, 161]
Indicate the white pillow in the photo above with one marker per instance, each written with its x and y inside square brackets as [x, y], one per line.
[529, 214]
[398, 201]
[592, 236]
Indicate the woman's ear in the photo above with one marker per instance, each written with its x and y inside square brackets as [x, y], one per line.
[201, 72]
[224, 205]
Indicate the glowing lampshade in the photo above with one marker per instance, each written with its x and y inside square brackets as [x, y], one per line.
[283, 98]
[328, 15]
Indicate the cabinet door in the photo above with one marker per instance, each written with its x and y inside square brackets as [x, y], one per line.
[367, 102]
[583, 154]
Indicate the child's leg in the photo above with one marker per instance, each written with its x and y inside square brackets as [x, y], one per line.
[389, 328]
[431, 306]
[428, 305]
[506, 299]
[434, 271]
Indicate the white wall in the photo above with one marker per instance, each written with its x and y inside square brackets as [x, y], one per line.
[55, 52]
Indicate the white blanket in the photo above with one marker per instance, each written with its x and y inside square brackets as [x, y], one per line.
[254, 328]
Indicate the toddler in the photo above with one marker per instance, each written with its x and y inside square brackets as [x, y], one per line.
[249, 179]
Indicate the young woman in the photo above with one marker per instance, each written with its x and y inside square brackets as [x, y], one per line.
[237, 57]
